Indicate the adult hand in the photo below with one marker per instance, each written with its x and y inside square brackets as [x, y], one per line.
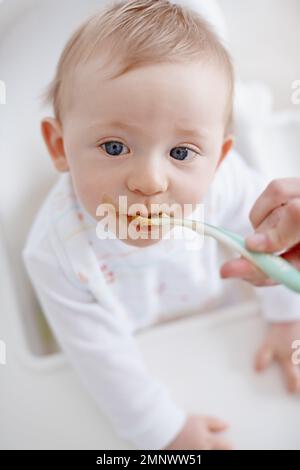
[275, 217]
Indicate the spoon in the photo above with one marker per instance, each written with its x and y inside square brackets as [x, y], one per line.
[274, 266]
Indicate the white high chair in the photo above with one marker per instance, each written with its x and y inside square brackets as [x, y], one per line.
[43, 405]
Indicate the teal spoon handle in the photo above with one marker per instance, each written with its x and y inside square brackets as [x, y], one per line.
[274, 266]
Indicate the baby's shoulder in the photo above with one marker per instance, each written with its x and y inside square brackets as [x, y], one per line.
[58, 199]
[45, 251]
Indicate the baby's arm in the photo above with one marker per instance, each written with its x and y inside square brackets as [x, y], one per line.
[101, 348]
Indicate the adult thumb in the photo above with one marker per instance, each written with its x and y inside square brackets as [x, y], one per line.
[279, 231]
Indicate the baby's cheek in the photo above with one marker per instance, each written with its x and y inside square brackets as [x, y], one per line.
[201, 184]
[197, 190]
[88, 194]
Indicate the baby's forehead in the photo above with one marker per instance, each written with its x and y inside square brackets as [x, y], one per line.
[180, 84]
[98, 69]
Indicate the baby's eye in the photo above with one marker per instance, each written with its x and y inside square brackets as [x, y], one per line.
[181, 153]
[113, 147]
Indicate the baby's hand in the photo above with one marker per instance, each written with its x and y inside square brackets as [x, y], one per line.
[201, 433]
[278, 346]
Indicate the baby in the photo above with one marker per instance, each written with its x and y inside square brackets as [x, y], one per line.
[143, 98]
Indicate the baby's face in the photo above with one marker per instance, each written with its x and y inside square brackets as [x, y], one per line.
[154, 135]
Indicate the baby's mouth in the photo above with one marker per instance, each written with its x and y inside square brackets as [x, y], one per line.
[143, 222]
[150, 216]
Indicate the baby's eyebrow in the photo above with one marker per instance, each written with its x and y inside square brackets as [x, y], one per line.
[119, 124]
[189, 132]
[127, 126]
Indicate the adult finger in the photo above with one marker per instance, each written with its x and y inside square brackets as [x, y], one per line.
[241, 268]
[278, 192]
[279, 231]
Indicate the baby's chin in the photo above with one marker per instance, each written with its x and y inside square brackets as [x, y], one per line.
[134, 234]
[143, 239]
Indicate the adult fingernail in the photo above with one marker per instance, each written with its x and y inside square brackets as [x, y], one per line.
[258, 241]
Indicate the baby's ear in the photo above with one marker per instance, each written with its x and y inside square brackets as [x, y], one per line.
[53, 137]
[226, 147]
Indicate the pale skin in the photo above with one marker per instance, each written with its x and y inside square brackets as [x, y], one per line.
[152, 101]
[147, 169]
[275, 216]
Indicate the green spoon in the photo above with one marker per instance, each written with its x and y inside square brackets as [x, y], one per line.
[274, 266]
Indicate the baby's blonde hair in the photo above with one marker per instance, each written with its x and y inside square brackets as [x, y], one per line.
[134, 33]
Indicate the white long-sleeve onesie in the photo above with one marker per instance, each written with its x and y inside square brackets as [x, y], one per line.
[97, 293]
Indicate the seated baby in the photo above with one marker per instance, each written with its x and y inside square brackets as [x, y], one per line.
[143, 98]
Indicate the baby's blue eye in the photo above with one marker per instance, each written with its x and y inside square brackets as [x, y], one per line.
[181, 153]
[113, 147]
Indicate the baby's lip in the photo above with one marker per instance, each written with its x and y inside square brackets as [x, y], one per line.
[157, 212]
[129, 217]
[147, 216]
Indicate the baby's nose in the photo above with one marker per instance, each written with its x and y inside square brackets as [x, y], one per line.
[148, 182]
[147, 191]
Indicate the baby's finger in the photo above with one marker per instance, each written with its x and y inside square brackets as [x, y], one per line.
[264, 357]
[221, 444]
[216, 424]
[292, 375]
